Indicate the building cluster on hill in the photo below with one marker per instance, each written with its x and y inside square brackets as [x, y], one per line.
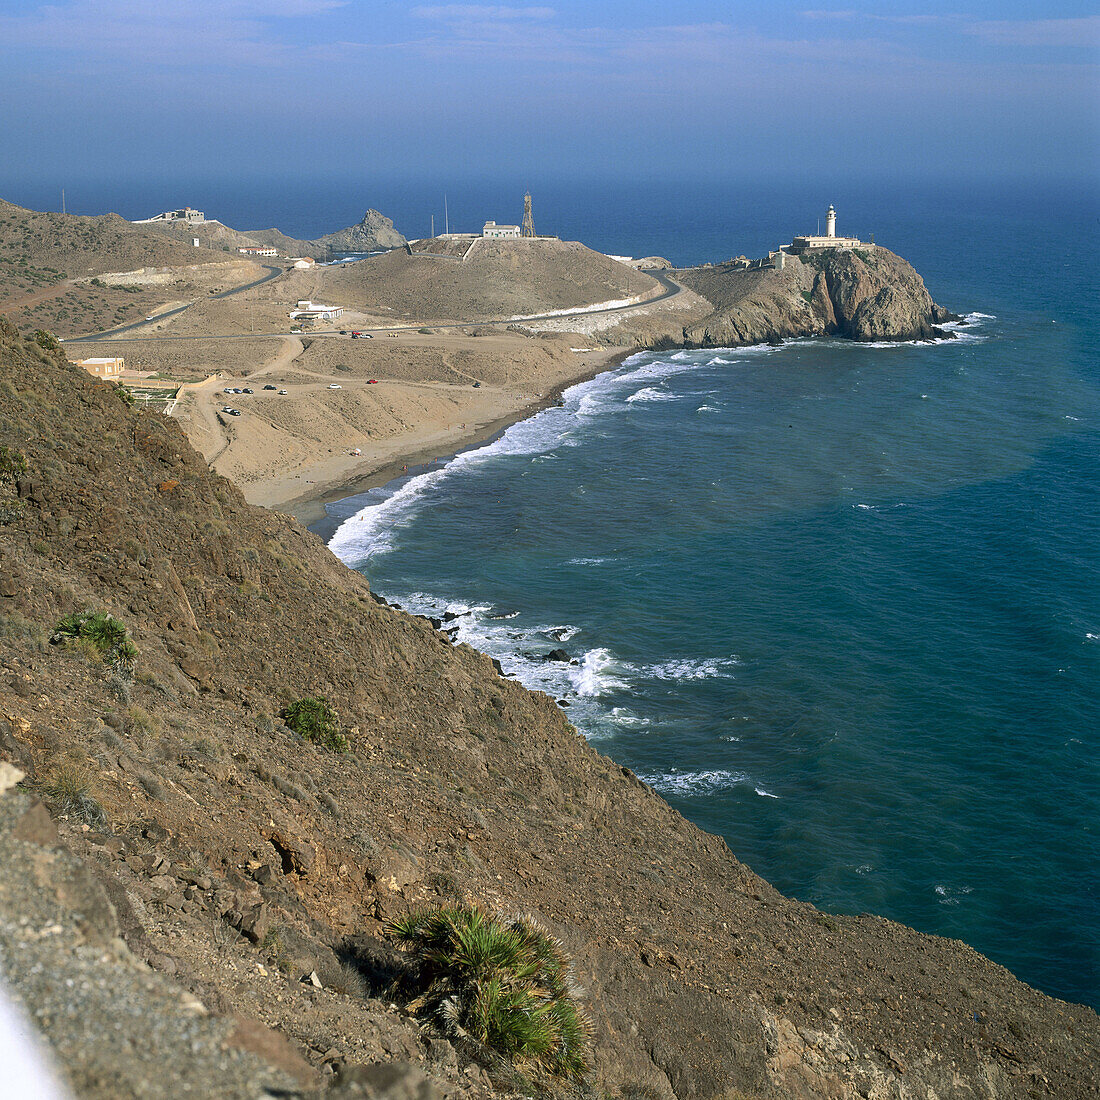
[186, 215]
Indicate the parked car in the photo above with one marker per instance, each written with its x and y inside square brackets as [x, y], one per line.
[283, 392]
[246, 390]
[335, 386]
[269, 387]
[227, 390]
[343, 332]
[372, 381]
[234, 412]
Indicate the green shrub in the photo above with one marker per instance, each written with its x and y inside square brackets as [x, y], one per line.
[46, 340]
[103, 632]
[315, 720]
[503, 982]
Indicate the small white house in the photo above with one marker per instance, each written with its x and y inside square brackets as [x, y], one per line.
[305, 262]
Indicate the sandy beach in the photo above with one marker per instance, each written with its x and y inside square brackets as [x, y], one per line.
[356, 412]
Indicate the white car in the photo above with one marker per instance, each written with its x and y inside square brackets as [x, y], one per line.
[335, 386]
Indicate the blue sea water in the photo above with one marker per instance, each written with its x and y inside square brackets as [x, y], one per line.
[837, 603]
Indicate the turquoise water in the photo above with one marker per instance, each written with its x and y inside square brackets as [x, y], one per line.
[838, 603]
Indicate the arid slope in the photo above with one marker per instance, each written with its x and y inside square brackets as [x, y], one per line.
[703, 981]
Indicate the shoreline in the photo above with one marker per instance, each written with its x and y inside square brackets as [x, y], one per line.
[309, 509]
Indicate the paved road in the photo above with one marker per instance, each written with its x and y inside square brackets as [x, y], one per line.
[670, 291]
[114, 333]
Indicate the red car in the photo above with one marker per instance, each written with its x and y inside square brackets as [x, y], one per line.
[372, 381]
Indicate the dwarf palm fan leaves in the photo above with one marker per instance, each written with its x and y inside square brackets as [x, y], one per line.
[502, 982]
[106, 634]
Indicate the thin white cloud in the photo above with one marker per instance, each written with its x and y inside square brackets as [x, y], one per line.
[1039, 32]
[480, 12]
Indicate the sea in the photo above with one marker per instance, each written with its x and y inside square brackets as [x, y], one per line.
[837, 603]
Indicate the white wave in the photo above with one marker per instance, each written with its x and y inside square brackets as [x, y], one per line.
[1093, 637]
[763, 793]
[864, 869]
[1075, 419]
[694, 783]
[588, 561]
[597, 674]
[707, 409]
[719, 360]
[648, 393]
[866, 507]
[560, 633]
[702, 669]
[624, 718]
[949, 895]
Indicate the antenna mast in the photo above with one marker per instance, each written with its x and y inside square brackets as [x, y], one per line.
[446, 217]
[528, 220]
[62, 200]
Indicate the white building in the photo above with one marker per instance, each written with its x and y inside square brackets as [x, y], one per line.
[314, 311]
[252, 250]
[492, 231]
[305, 262]
[191, 217]
[830, 240]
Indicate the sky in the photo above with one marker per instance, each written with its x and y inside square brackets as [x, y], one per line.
[103, 89]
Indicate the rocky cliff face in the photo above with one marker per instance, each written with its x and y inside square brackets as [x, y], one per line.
[252, 870]
[373, 233]
[862, 294]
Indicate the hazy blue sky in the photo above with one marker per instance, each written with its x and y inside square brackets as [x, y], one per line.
[98, 88]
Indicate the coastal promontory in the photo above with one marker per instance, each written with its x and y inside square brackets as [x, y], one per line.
[864, 293]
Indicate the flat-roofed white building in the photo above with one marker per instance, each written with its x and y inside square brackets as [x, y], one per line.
[829, 240]
[251, 250]
[492, 231]
[314, 311]
[103, 367]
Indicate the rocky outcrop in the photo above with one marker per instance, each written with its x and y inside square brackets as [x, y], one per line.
[858, 294]
[373, 233]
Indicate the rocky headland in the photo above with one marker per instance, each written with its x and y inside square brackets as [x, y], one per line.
[192, 894]
[867, 293]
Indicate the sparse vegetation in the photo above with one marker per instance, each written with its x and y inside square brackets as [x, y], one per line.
[103, 632]
[13, 464]
[504, 983]
[70, 785]
[313, 719]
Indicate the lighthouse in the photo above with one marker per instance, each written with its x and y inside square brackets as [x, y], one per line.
[830, 221]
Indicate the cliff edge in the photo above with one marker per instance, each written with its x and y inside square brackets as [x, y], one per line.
[867, 293]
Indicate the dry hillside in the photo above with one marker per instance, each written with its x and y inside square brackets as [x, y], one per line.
[497, 279]
[50, 266]
[190, 832]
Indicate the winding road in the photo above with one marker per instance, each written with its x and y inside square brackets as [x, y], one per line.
[671, 289]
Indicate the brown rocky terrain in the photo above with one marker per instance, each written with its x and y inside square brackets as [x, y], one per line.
[372, 233]
[495, 279]
[208, 889]
[860, 294]
[73, 274]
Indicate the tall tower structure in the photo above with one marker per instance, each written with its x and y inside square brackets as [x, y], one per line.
[830, 221]
[528, 220]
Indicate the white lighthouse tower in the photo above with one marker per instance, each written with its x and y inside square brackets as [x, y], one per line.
[830, 221]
